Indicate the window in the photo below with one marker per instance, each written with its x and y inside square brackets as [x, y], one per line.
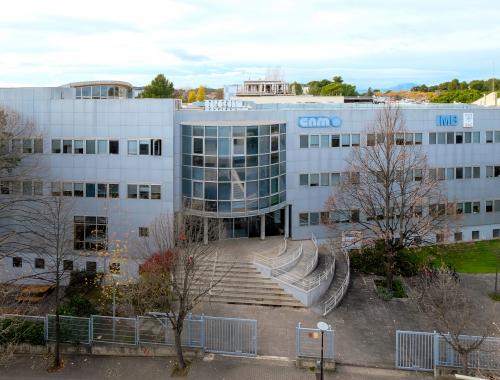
[114, 190]
[475, 235]
[39, 263]
[489, 206]
[432, 138]
[459, 173]
[78, 146]
[68, 265]
[17, 262]
[37, 146]
[496, 232]
[492, 171]
[27, 188]
[90, 233]
[489, 137]
[325, 179]
[476, 207]
[476, 172]
[132, 191]
[458, 236]
[441, 138]
[90, 190]
[91, 266]
[346, 140]
[355, 139]
[476, 137]
[400, 138]
[335, 179]
[27, 146]
[155, 192]
[314, 141]
[67, 146]
[55, 188]
[325, 141]
[102, 147]
[143, 231]
[314, 179]
[303, 179]
[439, 238]
[314, 218]
[113, 147]
[78, 189]
[102, 190]
[38, 188]
[132, 147]
[370, 139]
[418, 175]
[144, 147]
[459, 138]
[114, 268]
[56, 146]
[418, 138]
[304, 141]
[335, 141]
[144, 191]
[303, 219]
[156, 147]
[90, 146]
[67, 188]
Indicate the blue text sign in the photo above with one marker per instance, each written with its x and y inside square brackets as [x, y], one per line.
[319, 122]
[446, 120]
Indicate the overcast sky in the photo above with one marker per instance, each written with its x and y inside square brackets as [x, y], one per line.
[376, 43]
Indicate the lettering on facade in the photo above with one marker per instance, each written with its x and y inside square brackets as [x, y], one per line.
[468, 120]
[319, 122]
[446, 120]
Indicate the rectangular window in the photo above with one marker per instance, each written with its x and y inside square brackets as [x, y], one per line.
[144, 147]
[114, 268]
[303, 179]
[418, 175]
[55, 188]
[346, 140]
[468, 137]
[114, 147]
[132, 147]
[56, 146]
[37, 146]
[441, 138]
[467, 207]
[450, 174]
[17, 262]
[90, 190]
[78, 189]
[408, 138]
[102, 147]
[467, 172]
[304, 141]
[418, 138]
[314, 141]
[314, 218]
[476, 137]
[314, 179]
[68, 265]
[303, 219]
[325, 179]
[132, 191]
[399, 138]
[335, 179]
[156, 147]
[489, 171]
[497, 137]
[90, 233]
[441, 174]
[27, 146]
[39, 263]
[450, 137]
[78, 146]
[459, 173]
[439, 238]
[489, 137]
[496, 233]
[144, 191]
[114, 190]
[143, 231]
[355, 139]
[432, 138]
[489, 206]
[102, 190]
[325, 141]
[335, 141]
[91, 266]
[476, 172]
[67, 188]
[458, 236]
[155, 192]
[67, 146]
[459, 138]
[370, 139]
[38, 188]
[475, 235]
[476, 207]
[90, 146]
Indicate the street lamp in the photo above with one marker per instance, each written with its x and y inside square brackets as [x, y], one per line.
[322, 326]
[115, 278]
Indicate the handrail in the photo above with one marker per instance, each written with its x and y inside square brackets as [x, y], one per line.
[314, 262]
[285, 261]
[210, 291]
[334, 300]
[266, 257]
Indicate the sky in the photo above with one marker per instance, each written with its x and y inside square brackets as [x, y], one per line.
[377, 43]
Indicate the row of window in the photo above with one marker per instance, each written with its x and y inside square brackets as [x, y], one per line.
[25, 188]
[140, 191]
[330, 141]
[404, 138]
[326, 217]
[25, 146]
[68, 265]
[467, 172]
[454, 137]
[458, 236]
[146, 147]
[88, 190]
[319, 179]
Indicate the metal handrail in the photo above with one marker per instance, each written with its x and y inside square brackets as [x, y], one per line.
[314, 262]
[275, 263]
[266, 257]
[334, 300]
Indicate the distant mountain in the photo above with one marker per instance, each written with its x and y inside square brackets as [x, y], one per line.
[401, 87]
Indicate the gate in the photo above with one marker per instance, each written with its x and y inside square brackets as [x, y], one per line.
[308, 341]
[415, 350]
[231, 336]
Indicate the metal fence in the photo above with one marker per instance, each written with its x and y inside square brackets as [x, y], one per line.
[422, 351]
[230, 336]
[308, 342]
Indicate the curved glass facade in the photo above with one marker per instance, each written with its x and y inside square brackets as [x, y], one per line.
[233, 170]
[102, 92]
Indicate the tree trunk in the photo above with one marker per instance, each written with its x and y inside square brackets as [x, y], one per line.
[57, 352]
[465, 363]
[390, 267]
[178, 347]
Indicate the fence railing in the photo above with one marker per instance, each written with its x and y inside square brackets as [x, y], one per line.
[311, 266]
[422, 351]
[308, 342]
[334, 300]
[230, 336]
[267, 256]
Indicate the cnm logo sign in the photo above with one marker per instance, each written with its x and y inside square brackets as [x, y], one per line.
[446, 120]
[319, 122]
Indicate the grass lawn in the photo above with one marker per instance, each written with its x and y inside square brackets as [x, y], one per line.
[475, 257]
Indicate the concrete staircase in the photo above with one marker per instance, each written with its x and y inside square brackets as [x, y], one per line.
[242, 283]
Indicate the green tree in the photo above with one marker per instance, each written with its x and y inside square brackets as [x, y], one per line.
[337, 88]
[160, 87]
[191, 96]
[296, 88]
[338, 79]
[200, 94]
[458, 96]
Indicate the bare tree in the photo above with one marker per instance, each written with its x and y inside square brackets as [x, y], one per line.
[177, 274]
[48, 234]
[388, 193]
[439, 294]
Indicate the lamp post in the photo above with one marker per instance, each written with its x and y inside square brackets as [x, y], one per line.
[114, 276]
[322, 326]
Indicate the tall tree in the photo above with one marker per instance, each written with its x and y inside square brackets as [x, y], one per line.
[200, 94]
[176, 274]
[388, 192]
[296, 88]
[191, 97]
[160, 87]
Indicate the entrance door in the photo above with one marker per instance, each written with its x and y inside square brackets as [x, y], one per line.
[254, 226]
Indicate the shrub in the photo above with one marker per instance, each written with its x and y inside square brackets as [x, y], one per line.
[77, 306]
[397, 291]
[17, 330]
[82, 282]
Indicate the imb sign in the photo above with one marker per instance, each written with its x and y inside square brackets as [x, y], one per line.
[319, 122]
[446, 120]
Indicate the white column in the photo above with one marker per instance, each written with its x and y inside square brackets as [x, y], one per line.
[263, 227]
[287, 224]
[205, 230]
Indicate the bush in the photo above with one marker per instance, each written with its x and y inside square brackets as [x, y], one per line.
[397, 291]
[78, 306]
[17, 330]
[82, 282]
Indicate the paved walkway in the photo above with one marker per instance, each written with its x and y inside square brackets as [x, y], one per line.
[133, 368]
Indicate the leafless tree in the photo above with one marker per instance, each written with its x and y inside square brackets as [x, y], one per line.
[439, 295]
[48, 234]
[388, 193]
[177, 273]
